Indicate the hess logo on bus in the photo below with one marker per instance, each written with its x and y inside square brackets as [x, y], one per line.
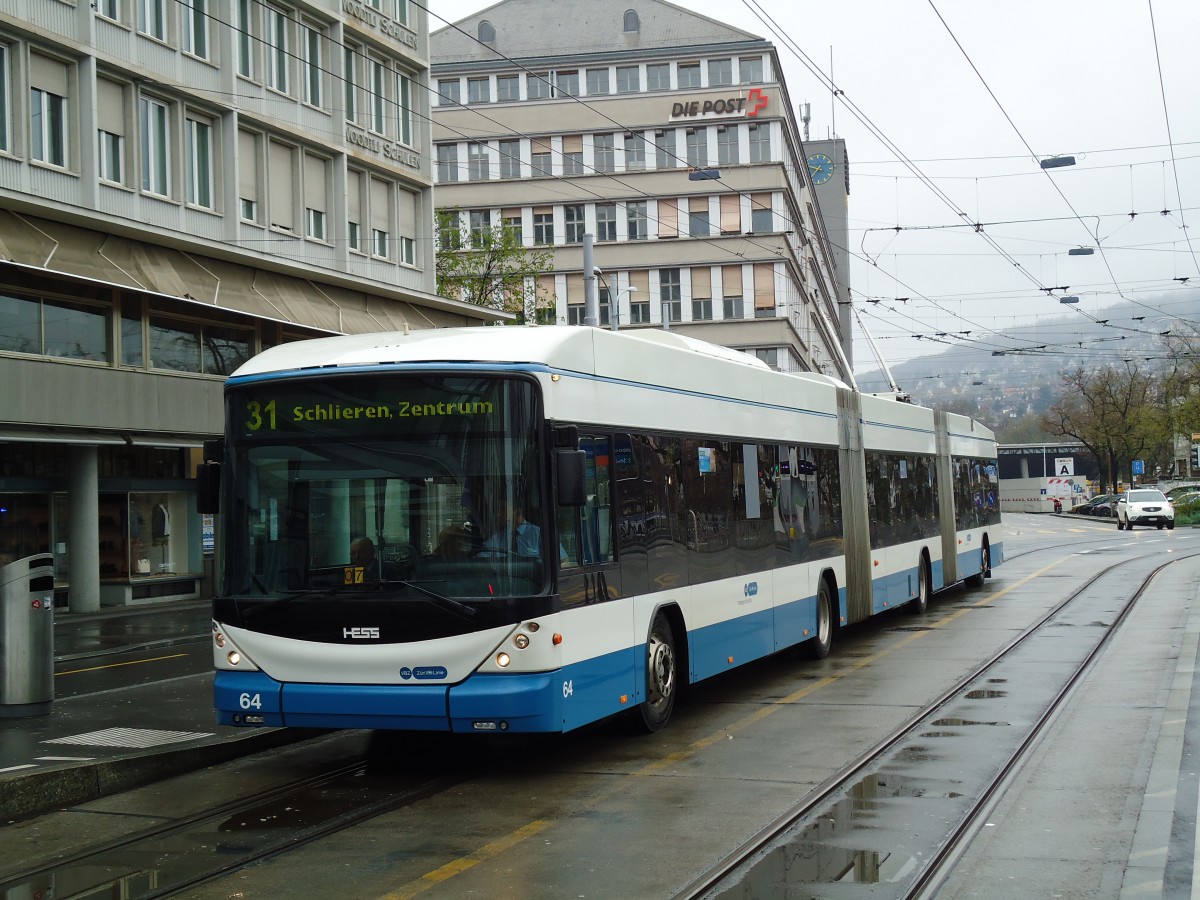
[360, 634]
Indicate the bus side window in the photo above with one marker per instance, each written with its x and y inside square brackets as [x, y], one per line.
[586, 532]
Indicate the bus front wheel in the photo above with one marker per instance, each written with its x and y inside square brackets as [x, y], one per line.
[662, 676]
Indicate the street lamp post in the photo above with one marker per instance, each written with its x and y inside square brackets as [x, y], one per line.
[614, 313]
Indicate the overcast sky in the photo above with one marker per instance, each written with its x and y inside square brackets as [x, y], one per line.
[972, 94]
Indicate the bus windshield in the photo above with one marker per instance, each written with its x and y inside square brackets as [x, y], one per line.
[415, 487]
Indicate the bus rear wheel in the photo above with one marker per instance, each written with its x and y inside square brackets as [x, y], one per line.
[662, 676]
[819, 645]
[976, 581]
[918, 604]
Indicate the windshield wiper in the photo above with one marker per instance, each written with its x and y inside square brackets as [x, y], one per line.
[291, 597]
[448, 603]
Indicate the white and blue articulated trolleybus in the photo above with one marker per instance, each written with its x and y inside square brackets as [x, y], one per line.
[528, 529]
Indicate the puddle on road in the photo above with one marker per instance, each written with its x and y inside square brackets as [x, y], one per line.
[985, 694]
[826, 851]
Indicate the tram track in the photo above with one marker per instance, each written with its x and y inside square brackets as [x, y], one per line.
[809, 839]
[227, 837]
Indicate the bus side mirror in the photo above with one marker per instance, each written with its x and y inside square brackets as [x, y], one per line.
[571, 466]
[208, 488]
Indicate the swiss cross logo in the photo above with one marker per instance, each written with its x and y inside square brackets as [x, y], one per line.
[756, 97]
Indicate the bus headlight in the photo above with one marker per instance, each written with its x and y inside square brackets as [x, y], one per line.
[503, 660]
[521, 641]
[234, 657]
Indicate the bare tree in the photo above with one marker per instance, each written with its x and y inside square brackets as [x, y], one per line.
[1116, 412]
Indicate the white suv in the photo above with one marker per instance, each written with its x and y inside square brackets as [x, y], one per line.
[1144, 506]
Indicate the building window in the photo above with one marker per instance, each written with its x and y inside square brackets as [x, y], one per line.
[109, 9]
[510, 221]
[597, 82]
[566, 84]
[57, 328]
[377, 94]
[477, 162]
[486, 32]
[195, 27]
[605, 152]
[606, 221]
[479, 90]
[604, 302]
[48, 125]
[540, 158]
[315, 223]
[543, 226]
[278, 49]
[408, 251]
[152, 18]
[750, 71]
[247, 32]
[658, 77]
[720, 72]
[508, 87]
[111, 157]
[698, 219]
[733, 308]
[449, 92]
[5, 88]
[689, 75]
[762, 220]
[510, 159]
[628, 80]
[760, 143]
[702, 309]
[312, 63]
[316, 197]
[697, 146]
[181, 346]
[630, 23]
[449, 231]
[480, 223]
[664, 148]
[199, 163]
[670, 293]
[572, 154]
[635, 216]
[769, 355]
[404, 88]
[575, 224]
[354, 236]
[379, 243]
[350, 78]
[248, 165]
[283, 180]
[447, 163]
[727, 145]
[156, 155]
[635, 151]
[639, 312]
[537, 87]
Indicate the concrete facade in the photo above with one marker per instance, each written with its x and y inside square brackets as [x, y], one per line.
[181, 186]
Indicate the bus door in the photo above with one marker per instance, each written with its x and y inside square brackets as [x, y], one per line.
[588, 570]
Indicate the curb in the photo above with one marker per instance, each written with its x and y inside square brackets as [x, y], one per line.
[38, 793]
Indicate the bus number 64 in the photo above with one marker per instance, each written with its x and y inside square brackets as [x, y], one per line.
[250, 701]
[568, 689]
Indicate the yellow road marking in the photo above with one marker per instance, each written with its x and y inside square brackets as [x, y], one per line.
[462, 864]
[136, 662]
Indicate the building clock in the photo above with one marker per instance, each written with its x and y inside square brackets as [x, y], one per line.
[820, 167]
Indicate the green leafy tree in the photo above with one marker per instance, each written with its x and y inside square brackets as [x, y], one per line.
[490, 267]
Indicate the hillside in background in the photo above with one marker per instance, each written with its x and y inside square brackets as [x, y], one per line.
[1003, 387]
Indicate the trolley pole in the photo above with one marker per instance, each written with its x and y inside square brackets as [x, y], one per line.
[591, 307]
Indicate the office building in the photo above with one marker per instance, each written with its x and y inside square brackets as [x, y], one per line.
[667, 136]
[183, 184]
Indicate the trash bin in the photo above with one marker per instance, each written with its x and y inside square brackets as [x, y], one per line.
[27, 636]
